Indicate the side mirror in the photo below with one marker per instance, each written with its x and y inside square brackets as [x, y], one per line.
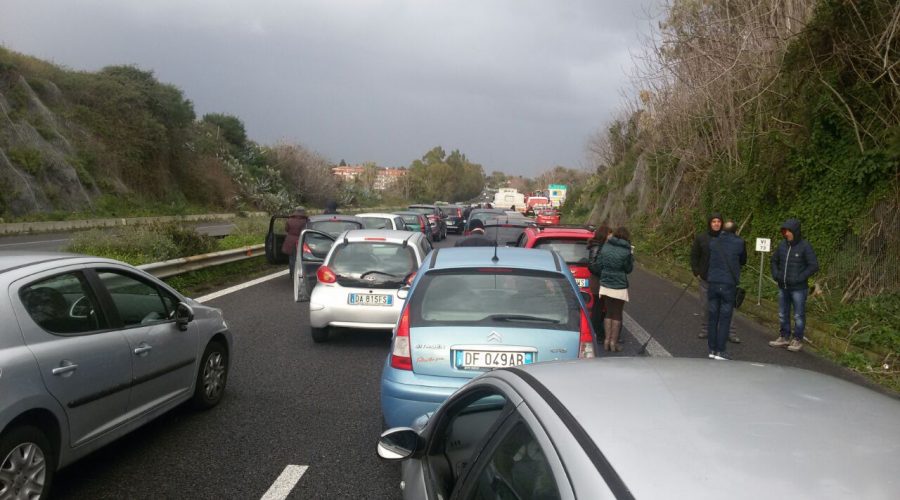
[398, 443]
[183, 315]
[403, 293]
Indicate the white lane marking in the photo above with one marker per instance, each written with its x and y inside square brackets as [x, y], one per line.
[33, 242]
[235, 288]
[654, 348]
[282, 486]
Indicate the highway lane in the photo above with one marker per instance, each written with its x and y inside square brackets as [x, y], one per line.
[56, 242]
[292, 402]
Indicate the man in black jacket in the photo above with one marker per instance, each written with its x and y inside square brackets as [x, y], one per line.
[792, 264]
[477, 239]
[700, 268]
[727, 253]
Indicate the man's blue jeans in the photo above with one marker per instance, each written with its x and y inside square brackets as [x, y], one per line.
[797, 299]
[721, 308]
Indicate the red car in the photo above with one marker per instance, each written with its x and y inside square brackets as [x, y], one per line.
[547, 217]
[571, 243]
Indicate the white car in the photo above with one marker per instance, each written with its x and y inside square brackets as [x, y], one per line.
[383, 221]
[362, 282]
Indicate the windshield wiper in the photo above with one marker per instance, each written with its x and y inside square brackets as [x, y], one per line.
[521, 317]
[363, 275]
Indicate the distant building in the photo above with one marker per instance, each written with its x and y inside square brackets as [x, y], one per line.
[387, 177]
[348, 172]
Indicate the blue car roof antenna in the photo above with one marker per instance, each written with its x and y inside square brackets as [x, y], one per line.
[495, 259]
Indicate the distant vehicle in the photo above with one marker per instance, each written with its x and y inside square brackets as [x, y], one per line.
[571, 243]
[417, 222]
[547, 217]
[467, 313]
[534, 203]
[315, 246]
[90, 350]
[543, 431]
[383, 221]
[506, 230]
[453, 218]
[482, 214]
[435, 217]
[360, 279]
[508, 198]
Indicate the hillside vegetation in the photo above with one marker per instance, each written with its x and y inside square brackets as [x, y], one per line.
[765, 110]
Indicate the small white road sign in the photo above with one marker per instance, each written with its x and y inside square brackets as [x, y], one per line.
[762, 244]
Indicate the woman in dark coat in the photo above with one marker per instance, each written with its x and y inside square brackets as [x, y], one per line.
[615, 263]
[594, 245]
[293, 226]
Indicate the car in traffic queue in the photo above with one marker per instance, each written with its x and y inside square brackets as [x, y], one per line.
[571, 242]
[314, 243]
[453, 218]
[654, 428]
[417, 222]
[481, 214]
[475, 309]
[362, 280]
[547, 217]
[383, 221]
[435, 217]
[90, 350]
[506, 231]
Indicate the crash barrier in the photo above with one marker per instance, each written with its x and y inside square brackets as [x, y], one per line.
[186, 264]
[10, 228]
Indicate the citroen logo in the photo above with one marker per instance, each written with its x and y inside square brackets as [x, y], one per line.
[495, 338]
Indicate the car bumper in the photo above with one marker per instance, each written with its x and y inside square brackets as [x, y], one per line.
[406, 396]
[328, 307]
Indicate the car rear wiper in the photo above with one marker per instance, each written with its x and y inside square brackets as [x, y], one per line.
[363, 275]
[521, 317]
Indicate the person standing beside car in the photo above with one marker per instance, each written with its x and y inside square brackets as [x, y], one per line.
[615, 263]
[793, 262]
[293, 226]
[727, 253]
[594, 246]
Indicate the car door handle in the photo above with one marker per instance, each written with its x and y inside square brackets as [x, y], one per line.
[62, 370]
[143, 348]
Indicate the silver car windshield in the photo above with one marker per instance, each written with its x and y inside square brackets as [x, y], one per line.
[367, 263]
[490, 297]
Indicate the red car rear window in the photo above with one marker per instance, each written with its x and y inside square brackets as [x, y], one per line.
[573, 251]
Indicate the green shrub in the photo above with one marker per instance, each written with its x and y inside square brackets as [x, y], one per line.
[29, 159]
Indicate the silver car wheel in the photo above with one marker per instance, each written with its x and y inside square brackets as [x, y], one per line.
[23, 472]
[214, 375]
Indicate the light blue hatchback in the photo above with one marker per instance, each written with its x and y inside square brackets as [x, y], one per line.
[475, 309]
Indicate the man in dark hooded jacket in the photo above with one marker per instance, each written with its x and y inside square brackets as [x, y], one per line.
[477, 239]
[727, 253]
[700, 268]
[793, 262]
[330, 207]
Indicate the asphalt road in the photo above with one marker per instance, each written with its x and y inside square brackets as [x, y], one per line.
[56, 242]
[292, 402]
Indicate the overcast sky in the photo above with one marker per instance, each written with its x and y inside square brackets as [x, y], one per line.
[516, 85]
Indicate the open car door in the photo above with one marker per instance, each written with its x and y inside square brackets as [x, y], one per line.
[313, 248]
[274, 239]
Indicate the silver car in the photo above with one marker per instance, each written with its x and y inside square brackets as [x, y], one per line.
[653, 428]
[91, 349]
[362, 280]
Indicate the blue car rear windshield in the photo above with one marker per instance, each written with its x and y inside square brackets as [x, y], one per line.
[510, 297]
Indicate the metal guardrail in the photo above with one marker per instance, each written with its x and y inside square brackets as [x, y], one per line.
[186, 264]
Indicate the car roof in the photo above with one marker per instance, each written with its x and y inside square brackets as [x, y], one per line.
[388, 235]
[422, 205]
[336, 217]
[507, 257]
[563, 232]
[10, 260]
[374, 214]
[408, 213]
[693, 427]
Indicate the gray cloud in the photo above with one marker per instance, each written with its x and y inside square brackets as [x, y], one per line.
[518, 85]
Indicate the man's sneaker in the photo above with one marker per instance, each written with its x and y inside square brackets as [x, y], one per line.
[702, 335]
[779, 342]
[712, 354]
[795, 345]
[723, 356]
[734, 339]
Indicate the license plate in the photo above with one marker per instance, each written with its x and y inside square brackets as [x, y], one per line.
[476, 360]
[581, 282]
[370, 299]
